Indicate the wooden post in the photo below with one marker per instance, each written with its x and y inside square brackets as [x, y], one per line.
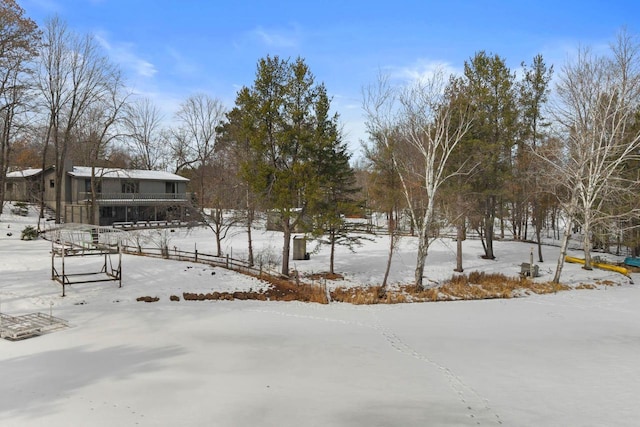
[63, 275]
[53, 256]
[119, 267]
[531, 264]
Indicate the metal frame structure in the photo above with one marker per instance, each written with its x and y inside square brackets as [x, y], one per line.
[28, 325]
[72, 240]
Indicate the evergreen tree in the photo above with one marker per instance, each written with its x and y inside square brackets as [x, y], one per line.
[279, 117]
[534, 91]
[490, 86]
[337, 182]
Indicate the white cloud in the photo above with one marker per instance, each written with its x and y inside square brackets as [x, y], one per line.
[278, 38]
[180, 64]
[422, 70]
[124, 54]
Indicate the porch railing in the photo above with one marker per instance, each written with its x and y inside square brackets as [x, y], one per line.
[130, 197]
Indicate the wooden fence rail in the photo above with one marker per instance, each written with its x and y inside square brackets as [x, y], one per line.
[226, 262]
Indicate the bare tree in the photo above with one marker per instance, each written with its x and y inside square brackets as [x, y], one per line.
[426, 123]
[19, 38]
[384, 193]
[226, 197]
[144, 134]
[598, 102]
[98, 127]
[195, 138]
[73, 74]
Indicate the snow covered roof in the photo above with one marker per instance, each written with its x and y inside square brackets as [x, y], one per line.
[24, 173]
[85, 172]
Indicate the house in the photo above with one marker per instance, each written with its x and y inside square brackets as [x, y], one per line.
[122, 195]
[23, 185]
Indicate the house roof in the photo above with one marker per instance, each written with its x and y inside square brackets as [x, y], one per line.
[23, 173]
[85, 172]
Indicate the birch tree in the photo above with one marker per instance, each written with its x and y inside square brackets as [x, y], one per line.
[424, 118]
[598, 98]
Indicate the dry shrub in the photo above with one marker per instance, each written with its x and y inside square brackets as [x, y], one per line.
[606, 283]
[283, 289]
[545, 287]
[174, 298]
[280, 290]
[475, 285]
[148, 299]
[585, 286]
[359, 295]
[370, 295]
[326, 276]
[481, 285]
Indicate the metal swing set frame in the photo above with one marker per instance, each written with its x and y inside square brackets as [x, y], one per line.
[80, 240]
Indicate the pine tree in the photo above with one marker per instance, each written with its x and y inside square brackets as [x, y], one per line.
[337, 183]
[490, 86]
[279, 118]
[534, 91]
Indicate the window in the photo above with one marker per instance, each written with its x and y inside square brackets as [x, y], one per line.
[171, 188]
[130, 187]
[9, 187]
[52, 183]
[87, 186]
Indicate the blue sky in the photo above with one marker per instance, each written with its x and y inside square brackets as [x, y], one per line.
[170, 50]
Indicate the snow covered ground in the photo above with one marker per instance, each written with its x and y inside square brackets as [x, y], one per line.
[565, 359]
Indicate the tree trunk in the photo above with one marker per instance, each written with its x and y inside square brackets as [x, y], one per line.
[563, 253]
[423, 243]
[586, 242]
[218, 229]
[218, 242]
[249, 224]
[332, 237]
[59, 174]
[423, 248]
[4, 163]
[489, 226]
[94, 216]
[250, 239]
[460, 235]
[565, 241]
[501, 221]
[459, 238]
[392, 244]
[538, 238]
[286, 247]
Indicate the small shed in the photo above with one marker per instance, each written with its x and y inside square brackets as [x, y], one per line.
[300, 248]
